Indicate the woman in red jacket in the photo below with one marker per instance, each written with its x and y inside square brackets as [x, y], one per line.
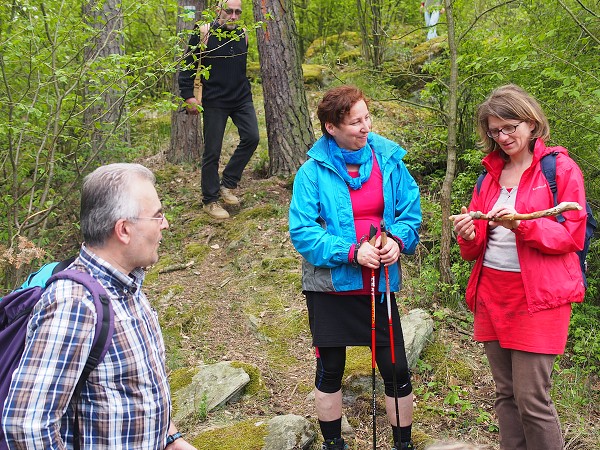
[526, 272]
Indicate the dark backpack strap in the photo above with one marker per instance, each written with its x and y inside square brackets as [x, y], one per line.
[63, 265]
[480, 180]
[548, 164]
[102, 335]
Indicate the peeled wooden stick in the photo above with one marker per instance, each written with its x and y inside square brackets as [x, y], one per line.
[558, 209]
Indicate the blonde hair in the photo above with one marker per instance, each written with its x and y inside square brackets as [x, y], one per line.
[510, 102]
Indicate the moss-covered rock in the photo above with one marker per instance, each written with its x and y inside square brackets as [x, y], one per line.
[341, 48]
[314, 73]
[248, 435]
[256, 386]
[181, 377]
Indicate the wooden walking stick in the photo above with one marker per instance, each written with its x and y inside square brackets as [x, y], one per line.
[555, 211]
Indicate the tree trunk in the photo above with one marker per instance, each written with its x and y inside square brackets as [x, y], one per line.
[364, 34]
[377, 30]
[186, 129]
[446, 239]
[105, 97]
[289, 129]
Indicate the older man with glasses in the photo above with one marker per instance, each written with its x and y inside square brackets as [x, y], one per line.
[125, 402]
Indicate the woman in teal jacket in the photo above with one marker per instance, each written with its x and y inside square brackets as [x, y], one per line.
[352, 180]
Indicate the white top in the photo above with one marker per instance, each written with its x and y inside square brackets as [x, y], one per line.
[501, 250]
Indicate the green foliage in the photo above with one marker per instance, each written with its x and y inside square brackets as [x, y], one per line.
[584, 337]
[501, 45]
[343, 48]
[202, 408]
[323, 18]
[52, 81]
[67, 107]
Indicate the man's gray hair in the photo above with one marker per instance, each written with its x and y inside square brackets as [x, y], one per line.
[106, 198]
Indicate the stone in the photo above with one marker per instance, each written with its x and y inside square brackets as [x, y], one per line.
[417, 328]
[289, 432]
[213, 386]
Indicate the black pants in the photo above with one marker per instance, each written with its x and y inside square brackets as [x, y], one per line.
[331, 362]
[214, 122]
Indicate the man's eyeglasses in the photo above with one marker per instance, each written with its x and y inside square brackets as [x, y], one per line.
[162, 218]
[230, 11]
[506, 130]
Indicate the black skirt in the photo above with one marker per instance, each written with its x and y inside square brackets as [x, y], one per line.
[345, 320]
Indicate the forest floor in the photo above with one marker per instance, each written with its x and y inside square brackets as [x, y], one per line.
[230, 291]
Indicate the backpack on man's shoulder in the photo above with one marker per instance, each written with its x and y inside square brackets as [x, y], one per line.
[15, 311]
[548, 166]
[41, 276]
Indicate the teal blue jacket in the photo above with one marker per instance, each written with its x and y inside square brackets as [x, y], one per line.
[321, 221]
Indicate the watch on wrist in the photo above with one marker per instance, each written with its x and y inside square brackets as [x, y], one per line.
[355, 255]
[173, 437]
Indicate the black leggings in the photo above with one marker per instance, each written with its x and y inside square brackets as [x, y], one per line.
[332, 360]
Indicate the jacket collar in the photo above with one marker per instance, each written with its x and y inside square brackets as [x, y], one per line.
[384, 148]
[493, 163]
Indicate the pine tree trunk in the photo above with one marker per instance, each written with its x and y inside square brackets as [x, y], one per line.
[105, 114]
[186, 129]
[289, 129]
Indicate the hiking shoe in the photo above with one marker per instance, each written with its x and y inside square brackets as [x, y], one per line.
[228, 196]
[334, 444]
[404, 446]
[215, 210]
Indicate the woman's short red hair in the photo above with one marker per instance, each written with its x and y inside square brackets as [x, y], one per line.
[336, 105]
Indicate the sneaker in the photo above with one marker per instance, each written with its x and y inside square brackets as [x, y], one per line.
[404, 446]
[228, 196]
[335, 444]
[215, 210]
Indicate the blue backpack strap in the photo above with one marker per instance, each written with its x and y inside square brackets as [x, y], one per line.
[548, 164]
[102, 336]
[40, 276]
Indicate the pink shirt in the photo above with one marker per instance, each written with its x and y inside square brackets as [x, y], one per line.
[367, 207]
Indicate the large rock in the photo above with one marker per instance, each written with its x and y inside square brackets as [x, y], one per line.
[213, 386]
[417, 328]
[289, 432]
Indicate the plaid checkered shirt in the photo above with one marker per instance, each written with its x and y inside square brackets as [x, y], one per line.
[125, 402]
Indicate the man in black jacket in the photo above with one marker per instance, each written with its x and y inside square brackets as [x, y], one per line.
[222, 47]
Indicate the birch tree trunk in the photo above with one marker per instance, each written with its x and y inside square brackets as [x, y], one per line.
[289, 129]
[446, 238]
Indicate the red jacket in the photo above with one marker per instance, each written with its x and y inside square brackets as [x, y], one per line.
[549, 265]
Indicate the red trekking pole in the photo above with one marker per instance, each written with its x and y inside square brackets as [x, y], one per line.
[372, 239]
[391, 328]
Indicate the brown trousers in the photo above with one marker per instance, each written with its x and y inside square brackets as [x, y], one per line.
[526, 414]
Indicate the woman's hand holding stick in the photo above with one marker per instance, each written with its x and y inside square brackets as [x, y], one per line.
[555, 211]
